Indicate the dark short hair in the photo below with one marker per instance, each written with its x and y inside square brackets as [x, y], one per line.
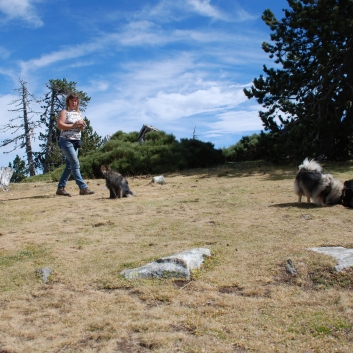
[72, 95]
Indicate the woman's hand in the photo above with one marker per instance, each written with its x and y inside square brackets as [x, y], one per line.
[62, 125]
[79, 124]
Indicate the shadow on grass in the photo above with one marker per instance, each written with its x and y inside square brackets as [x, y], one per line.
[303, 205]
[29, 197]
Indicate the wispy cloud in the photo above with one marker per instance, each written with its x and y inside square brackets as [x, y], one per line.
[165, 11]
[66, 53]
[6, 114]
[21, 9]
[10, 73]
[243, 16]
[175, 106]
[142, 29]
[238, 121]
[99, 85]
[162, 94]
[204, 8]
[4, 53]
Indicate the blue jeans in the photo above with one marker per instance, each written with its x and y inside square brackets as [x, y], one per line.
[72, 164]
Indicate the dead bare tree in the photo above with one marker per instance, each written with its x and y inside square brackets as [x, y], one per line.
[22, 126]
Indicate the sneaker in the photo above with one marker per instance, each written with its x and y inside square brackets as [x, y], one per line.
[62, 192]
[86, 192]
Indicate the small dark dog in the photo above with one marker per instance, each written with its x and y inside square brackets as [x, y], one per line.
[347, 194]
[324, 189]
[116, 183]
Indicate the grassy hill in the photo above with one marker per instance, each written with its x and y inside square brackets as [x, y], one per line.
[241, 300]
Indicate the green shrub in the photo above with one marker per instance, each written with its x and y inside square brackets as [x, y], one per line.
[263, 146]
[247, 148]
[20, 171]
[160, 153]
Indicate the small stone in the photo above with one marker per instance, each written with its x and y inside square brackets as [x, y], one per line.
[45, 273]
[290, 267]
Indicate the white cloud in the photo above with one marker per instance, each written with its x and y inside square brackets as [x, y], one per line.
[173, 11]
[4, 53]
[9, 73]
[67, 53]
[237, 121]
[239, 47]
[175, 105]
[162, 93]
[142, 33]
[140, 99]
[5, 116]
[5, 106]
[23, 9]
[204, 8]
[243, 16]
[99, 85]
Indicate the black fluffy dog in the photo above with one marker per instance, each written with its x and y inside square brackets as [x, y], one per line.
[347, 194]
[116, 183]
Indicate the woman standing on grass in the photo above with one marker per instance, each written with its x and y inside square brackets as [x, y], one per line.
[71, 124]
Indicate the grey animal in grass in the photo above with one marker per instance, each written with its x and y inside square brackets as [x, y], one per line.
[324, 189]
[116, 183]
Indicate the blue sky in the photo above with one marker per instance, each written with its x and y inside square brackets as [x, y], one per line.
[178, 65]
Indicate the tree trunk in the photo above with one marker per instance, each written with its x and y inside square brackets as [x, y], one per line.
[49, 140]
[29, 152]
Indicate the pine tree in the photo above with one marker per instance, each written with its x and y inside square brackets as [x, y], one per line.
[24, 129]
[20, 170]
[308, 96]
[90, 139]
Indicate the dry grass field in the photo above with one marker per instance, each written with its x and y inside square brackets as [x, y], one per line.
[241, 300]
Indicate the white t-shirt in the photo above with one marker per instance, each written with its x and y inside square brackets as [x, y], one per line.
[71, 118]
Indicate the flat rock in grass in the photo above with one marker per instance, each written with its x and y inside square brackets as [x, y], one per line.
[343, 255]
[44, 273]
[176, 265]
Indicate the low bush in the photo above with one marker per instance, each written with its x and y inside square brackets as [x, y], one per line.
[160, 153]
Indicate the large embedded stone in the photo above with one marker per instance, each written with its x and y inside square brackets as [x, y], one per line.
[343, 255]
[176, 265]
